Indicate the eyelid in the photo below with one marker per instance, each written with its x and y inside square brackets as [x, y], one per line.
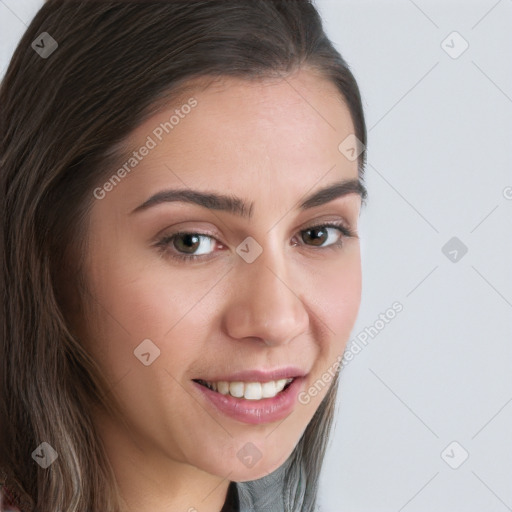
[332, 219]
[215, 233]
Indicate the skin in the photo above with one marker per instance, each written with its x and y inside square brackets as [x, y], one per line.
[269, 142]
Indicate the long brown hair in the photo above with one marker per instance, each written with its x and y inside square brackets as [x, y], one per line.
[63, 119]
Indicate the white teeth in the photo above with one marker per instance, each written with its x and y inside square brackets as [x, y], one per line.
[236, 389]
[280, 384]
[223, 387]
[268, 389]
[252, 391]
[249, 390]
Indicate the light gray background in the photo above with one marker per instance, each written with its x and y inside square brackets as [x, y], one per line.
[439, 164]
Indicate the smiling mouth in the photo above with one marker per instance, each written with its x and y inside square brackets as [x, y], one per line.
[248, 390]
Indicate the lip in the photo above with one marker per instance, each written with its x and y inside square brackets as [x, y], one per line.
[258, 375]
[254, 412]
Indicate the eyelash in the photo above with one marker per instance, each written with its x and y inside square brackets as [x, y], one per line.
[164, 243]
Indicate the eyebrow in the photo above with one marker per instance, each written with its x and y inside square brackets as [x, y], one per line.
[239, 207]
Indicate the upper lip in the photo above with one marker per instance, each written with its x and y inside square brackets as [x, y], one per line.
[258, 375]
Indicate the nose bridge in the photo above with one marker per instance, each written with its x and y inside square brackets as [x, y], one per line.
[266, 304]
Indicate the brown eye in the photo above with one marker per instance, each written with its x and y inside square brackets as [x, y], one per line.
[317, 235]
[186, 242]
[320, 235]
[187, 245]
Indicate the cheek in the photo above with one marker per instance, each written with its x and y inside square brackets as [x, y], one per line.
[114, 307]
[132, 303]
[136, 301]
[347, 297]
[335, 301]
[337, 296]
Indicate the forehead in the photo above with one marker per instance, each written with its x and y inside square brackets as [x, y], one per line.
[244, 135]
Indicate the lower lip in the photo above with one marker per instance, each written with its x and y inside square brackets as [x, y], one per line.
[255, 412]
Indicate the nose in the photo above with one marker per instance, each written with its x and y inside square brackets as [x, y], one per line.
[264, 303]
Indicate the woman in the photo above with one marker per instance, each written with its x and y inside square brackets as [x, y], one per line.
[181, 265]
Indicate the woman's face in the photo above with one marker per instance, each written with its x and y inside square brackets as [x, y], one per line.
[264, 294]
